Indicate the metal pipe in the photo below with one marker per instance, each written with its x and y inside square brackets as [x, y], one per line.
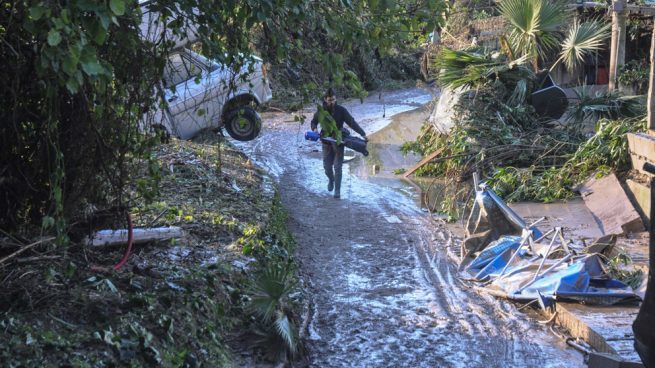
[536, 222]
[559, 262]
[550, 246]
[476, 181]
[565, 245]
[523, 239]
[545, 235]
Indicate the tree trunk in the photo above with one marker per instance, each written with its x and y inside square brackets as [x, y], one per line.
[617, 50]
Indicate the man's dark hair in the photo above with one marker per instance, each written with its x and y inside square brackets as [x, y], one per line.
[329, 93]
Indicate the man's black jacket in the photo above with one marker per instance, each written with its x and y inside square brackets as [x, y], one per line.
[340, 116]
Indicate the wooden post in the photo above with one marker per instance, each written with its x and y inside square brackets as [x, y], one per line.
[651, 85]
[643, 324]
[617, 48]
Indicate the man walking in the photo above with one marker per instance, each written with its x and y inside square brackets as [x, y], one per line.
[331, 118]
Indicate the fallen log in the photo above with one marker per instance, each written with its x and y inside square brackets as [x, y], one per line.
[143, 235]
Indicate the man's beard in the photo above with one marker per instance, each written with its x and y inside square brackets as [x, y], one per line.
[328, 107]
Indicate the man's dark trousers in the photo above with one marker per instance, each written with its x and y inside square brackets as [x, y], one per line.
[332, 163]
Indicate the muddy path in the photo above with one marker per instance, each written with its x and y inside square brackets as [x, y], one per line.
[383, 291]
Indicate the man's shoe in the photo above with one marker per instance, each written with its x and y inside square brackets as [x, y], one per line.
[330, 185]
[337, 195]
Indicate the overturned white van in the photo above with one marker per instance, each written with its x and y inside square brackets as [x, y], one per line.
[201, 93]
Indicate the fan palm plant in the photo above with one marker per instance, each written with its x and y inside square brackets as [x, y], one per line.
[594, 105]
[536, 32]
[468, 68]
[269, 293]
[581, 40]
[535, 27]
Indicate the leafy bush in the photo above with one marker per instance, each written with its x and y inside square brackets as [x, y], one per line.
[635, 74]
[604, 152]
[78, 83]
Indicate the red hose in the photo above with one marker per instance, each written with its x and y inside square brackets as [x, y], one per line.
[129, 244]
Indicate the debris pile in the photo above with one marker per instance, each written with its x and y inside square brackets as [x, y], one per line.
[512, 259]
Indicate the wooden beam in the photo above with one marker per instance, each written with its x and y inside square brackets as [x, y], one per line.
[115, 237]
[637, 9]
[423, 162]
[632, 9]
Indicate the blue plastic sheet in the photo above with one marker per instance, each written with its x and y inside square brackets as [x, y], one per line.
[529, 276]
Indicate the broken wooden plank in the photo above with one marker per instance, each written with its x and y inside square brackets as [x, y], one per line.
[605, 328]
[642, 150]
[142, 235]
[423, 162]
[640, 195]
[609, 203]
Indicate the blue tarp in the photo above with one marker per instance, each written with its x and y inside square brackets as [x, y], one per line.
[529, 276]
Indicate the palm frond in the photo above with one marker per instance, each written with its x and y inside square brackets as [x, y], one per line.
[582, 39]
[269, 290]
[519, 94]
[594, 105]
[453, 69]
[468, 68]
[534, 25]
[286, 330]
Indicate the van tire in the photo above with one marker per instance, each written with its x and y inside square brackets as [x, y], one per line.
[243, 123]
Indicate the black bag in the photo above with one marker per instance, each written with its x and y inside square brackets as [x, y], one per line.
[354, 143]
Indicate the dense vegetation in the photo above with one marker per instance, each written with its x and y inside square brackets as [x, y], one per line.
[496, 131]
[79, 78]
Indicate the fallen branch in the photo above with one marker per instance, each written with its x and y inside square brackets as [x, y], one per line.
[36, 259]
[424, 161]
[3, 260]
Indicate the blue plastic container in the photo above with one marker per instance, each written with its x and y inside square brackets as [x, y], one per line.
[312, 136]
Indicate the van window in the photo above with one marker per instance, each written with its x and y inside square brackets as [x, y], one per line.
[179, 69]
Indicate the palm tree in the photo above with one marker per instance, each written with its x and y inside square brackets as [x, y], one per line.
[537, 29]
[269, 294]
[536, 32]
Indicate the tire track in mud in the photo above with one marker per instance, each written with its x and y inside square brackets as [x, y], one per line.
[480, 314]
[384, 292]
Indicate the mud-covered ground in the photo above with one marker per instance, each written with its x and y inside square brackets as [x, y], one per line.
[383, 291]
